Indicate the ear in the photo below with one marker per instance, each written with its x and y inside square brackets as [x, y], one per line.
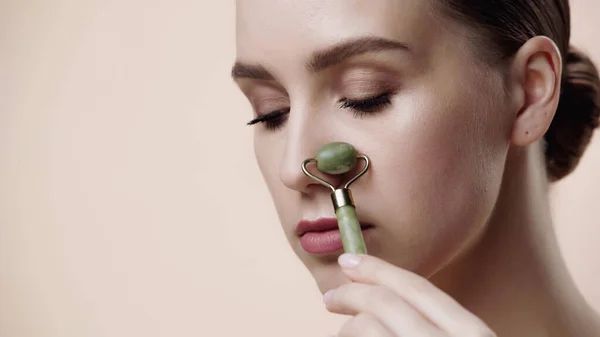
[537, 71]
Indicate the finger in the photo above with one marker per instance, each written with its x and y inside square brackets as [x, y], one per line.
[395, 313]
[433, 303]
[364, 325]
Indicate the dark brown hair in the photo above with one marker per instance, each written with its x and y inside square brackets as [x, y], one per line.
[506, 25]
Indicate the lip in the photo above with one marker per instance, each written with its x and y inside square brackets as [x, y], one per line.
[322, 236]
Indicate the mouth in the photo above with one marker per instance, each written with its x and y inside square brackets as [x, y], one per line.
[323, 236]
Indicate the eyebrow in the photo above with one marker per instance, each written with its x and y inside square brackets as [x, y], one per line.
[322, 60]
[345, 50]
[251, 71]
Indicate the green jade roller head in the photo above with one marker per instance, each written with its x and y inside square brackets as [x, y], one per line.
[339, 158]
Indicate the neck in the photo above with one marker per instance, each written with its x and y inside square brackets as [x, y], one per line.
[514, 277]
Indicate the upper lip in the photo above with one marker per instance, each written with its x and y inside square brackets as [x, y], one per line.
[320, 225]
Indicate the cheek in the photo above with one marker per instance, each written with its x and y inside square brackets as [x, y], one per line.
[268, 161]
[441, 180]
[269, 152]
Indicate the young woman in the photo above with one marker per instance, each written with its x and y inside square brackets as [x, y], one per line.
[468, 110]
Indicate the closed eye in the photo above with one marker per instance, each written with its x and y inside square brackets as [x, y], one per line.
[272, 120]
[361, 107]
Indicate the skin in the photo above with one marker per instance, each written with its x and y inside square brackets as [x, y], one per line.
[462, 243]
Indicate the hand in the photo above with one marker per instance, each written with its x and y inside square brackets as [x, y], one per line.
[387, 301]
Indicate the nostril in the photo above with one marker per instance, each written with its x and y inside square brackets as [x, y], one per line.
[316, 188]
[292, 176]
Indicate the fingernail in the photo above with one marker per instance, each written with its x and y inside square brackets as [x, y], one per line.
[348, 260]
[327, 295]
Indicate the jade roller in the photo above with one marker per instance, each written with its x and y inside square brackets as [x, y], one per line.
[338, 158]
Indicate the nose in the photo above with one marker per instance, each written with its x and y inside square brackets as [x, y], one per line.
[303, 141]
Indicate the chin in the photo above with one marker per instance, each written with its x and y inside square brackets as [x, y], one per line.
[327, 275]
[329, 278]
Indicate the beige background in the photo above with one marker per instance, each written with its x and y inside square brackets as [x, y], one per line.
[130, 203]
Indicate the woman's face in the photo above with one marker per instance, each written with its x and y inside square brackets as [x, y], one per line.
[403, 85]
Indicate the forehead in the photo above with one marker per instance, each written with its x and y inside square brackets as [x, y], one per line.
[292, 29]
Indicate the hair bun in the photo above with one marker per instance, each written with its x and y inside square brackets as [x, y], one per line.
[577, 116]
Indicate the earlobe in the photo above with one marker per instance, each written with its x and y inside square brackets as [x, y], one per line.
[538, 66]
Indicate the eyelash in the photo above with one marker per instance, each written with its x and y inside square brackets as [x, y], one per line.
[367, 106]
[361, 107]
[273, 120]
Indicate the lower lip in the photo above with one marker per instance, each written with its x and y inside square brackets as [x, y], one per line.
[324, 242]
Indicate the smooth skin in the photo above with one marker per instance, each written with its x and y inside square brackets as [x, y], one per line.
[463, 243]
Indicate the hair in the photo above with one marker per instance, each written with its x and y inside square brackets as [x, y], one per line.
[505, 25]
